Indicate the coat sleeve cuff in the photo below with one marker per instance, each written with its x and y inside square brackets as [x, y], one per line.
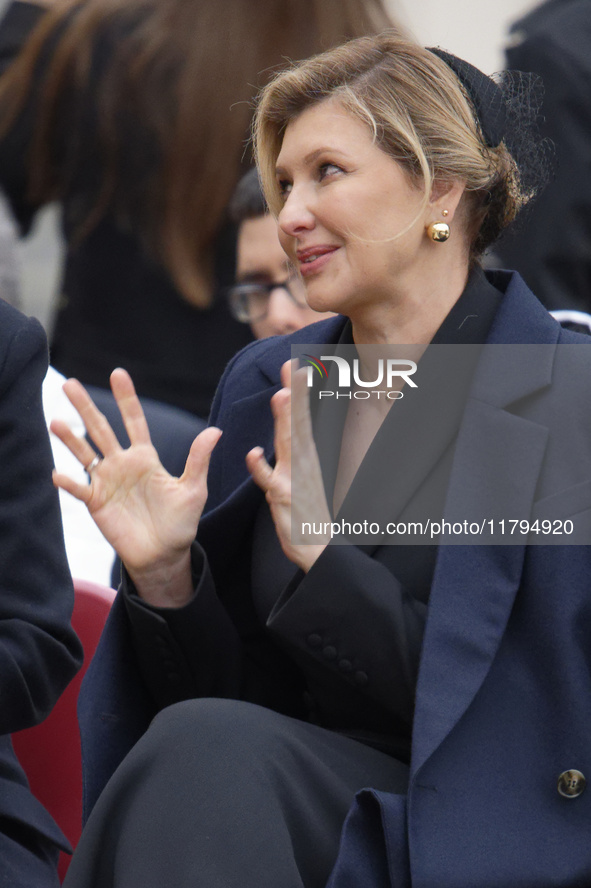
[178, 649]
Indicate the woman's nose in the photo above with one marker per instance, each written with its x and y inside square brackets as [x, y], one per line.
[296, 215]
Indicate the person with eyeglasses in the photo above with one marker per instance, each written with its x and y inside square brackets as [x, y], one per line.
[268, 294]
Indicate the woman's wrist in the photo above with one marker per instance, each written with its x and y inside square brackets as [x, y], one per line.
[165, 585]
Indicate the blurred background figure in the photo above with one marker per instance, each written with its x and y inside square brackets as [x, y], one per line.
[269, 294]
[90, 556]
[133, 114]
[552, 250]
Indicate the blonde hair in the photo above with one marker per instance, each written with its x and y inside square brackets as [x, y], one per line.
[418, 112]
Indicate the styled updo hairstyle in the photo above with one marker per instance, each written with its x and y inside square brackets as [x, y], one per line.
[420, 115]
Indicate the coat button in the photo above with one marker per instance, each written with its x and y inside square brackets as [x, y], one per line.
[571, 784]
[329, 652]
[314, 640]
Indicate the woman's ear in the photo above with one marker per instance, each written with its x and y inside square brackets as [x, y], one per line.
[445, 197]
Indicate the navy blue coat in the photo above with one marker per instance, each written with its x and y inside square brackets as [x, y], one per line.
[39, 651]
[502, 702]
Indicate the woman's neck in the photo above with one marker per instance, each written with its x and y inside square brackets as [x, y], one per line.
[416, 310]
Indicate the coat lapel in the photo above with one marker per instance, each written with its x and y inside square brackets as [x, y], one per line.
[495, 471]
[474, 586]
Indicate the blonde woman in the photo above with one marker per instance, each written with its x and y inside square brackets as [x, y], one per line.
[430, 698]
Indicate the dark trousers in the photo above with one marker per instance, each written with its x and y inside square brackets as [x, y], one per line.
[223, 794]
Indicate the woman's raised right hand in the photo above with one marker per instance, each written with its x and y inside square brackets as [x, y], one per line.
[149, 517]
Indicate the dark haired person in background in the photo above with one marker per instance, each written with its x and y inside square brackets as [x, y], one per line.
[133, 114]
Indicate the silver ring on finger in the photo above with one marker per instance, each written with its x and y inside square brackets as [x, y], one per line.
[94, 462]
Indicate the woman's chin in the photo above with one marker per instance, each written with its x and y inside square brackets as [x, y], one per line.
[320, 301]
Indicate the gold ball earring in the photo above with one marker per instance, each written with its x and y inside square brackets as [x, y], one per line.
[438, 232]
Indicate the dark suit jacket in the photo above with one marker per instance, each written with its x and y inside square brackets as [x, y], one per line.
[503, 686]
[39, 652]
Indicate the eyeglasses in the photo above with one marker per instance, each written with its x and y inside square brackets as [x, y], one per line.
[250, 302]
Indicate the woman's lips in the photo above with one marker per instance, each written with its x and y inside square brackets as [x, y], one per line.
[313, 259]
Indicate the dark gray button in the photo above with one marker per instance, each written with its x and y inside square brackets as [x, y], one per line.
[345, 665]
[571, 784]
[314, 641]
[329, 652]
[360, 679]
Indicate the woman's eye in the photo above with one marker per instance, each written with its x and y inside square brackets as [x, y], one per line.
[329, 169]
[284, 187]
